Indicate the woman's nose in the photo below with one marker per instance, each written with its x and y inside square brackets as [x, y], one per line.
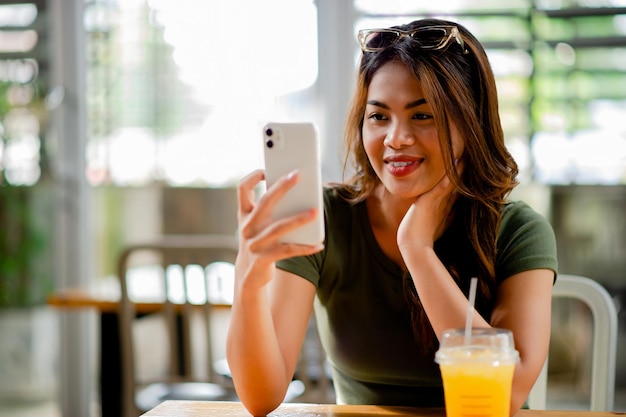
[399, 136]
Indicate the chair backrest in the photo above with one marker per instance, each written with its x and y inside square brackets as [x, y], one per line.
[604, 316]
[181, 251]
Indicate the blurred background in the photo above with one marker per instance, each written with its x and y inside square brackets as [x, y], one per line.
[123, 121]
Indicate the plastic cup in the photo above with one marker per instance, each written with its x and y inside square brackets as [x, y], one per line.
[477, 372]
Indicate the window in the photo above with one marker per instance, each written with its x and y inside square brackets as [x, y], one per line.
[179, 94]
[22, 94]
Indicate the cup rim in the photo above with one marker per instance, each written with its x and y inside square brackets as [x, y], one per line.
[503, 347]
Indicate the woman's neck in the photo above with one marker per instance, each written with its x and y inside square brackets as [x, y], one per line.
[385, 210]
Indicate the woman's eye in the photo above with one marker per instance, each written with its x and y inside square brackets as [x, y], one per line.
[377, 116]
[422, 116]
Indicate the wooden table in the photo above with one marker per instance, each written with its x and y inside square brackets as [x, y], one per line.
[235, 409]
[106, 302]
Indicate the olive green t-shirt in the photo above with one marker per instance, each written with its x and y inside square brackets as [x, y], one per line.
[361, 311]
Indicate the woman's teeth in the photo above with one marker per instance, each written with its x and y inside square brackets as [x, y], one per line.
[400, 164]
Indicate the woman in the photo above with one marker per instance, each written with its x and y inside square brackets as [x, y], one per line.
[425, 212]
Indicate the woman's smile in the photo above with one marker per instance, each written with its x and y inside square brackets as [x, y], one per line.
[401, 166]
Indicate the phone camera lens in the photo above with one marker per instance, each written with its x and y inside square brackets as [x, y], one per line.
[269, 132]
[270, 143]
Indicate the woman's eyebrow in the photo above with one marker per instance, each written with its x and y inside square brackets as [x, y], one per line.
[415, 103]
[378, 104]
[410, 105]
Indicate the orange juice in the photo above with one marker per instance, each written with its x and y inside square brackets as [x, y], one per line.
[477, 372]
[477, 389]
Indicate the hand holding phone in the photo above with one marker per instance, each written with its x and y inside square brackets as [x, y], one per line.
[295, 146]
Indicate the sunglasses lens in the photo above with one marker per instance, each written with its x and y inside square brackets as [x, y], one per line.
[430, 37]
[377, 40]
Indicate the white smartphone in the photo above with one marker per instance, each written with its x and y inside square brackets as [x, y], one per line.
[290, 146]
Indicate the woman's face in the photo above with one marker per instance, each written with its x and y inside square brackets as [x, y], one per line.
[399, 134]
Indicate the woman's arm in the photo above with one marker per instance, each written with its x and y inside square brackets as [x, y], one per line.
[271, 308]
[523, 305]
[265, 337]
[523, 301]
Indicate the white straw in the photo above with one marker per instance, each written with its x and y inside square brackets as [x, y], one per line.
[470, 310]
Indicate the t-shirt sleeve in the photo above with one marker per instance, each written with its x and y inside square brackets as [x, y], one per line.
[308, 267]
[526, 241]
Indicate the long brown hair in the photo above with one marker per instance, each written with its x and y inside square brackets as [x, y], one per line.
[459, 84]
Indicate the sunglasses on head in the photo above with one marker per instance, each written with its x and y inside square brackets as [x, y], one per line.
[429, 38]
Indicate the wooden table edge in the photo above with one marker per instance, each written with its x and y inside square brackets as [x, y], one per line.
[236, 409]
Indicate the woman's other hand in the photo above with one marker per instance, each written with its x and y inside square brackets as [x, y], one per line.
[429, 215]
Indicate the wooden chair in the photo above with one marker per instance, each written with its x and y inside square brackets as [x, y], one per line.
[604, 315]
[193, 305]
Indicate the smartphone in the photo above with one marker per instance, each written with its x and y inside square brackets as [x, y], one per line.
[290, 146]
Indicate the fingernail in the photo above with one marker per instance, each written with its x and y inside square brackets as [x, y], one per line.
[292, 174]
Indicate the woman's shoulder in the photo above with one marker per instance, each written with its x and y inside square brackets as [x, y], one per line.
[518, 207]
[526, 241]
[336, 192]
[344, 217]
[337, 202]
[520, 217]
